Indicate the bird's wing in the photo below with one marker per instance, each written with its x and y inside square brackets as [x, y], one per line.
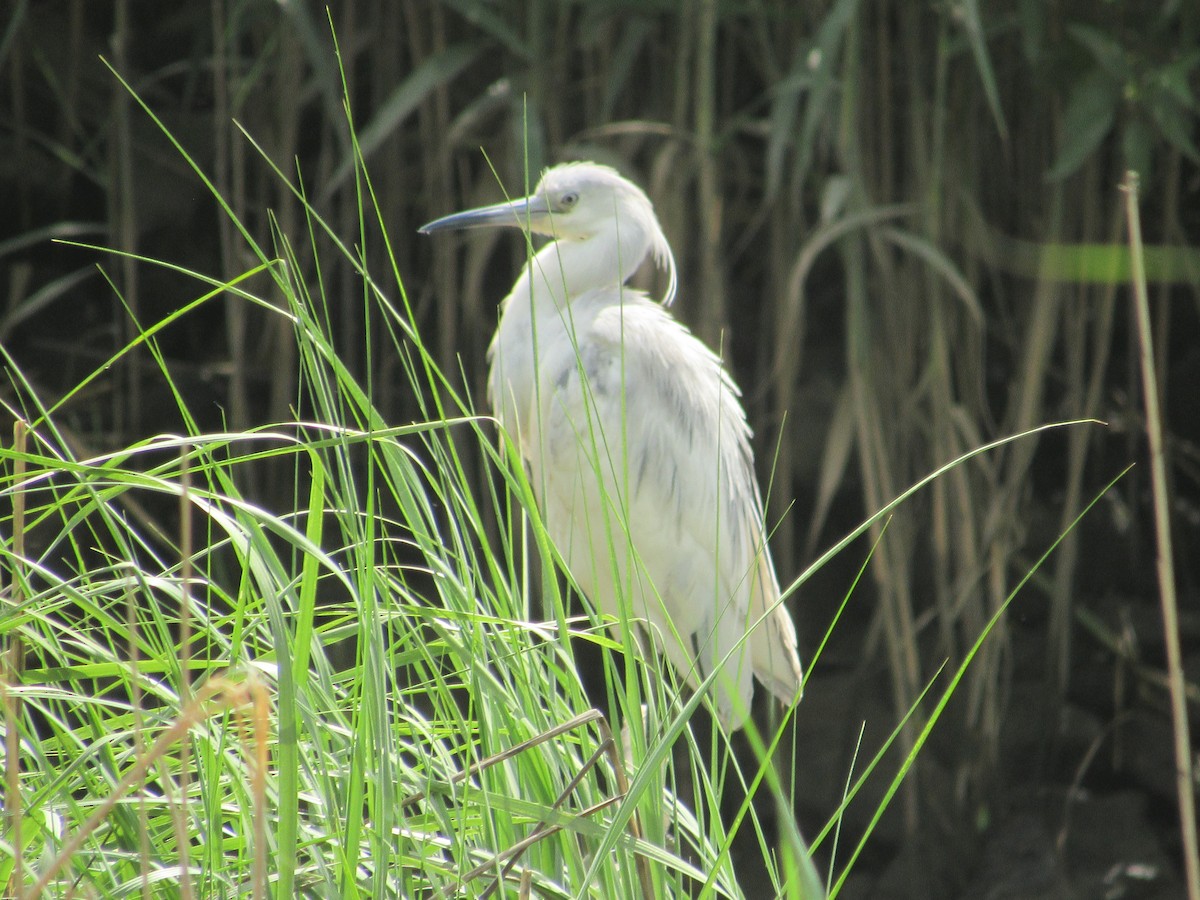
[643, 467]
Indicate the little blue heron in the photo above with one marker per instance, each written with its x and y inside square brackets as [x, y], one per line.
[636, 444]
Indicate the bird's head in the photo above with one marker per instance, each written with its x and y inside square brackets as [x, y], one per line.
[578, 202]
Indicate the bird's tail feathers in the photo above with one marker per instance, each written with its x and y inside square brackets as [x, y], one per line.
[773, 651]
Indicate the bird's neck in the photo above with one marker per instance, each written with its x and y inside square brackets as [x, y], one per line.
[566, 269]
[560, 273]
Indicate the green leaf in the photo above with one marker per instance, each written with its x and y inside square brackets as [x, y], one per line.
[1176, 80]
[1089, 116]
[1108, 54]
[973, 24]
[1175, 124]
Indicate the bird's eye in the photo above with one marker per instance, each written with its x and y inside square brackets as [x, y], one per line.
[569, 199]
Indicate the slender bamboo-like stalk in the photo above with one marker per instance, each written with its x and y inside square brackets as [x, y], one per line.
[137, 698]
[1162, 528]
[712, 311]
[185, 664]
[236, 322]
[12, 679]
[122, 203]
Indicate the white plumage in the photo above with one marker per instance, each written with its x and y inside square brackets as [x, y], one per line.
[637, 447]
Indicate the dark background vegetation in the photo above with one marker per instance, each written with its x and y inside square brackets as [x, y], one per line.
[879, 211]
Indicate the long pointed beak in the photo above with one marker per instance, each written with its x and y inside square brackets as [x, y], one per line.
[528, 212]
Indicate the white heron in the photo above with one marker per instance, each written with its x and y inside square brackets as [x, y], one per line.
[636, 444]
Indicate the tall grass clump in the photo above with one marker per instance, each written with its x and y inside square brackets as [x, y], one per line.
[362, 693]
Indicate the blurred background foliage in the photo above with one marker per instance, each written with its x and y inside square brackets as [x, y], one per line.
[899, 221]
